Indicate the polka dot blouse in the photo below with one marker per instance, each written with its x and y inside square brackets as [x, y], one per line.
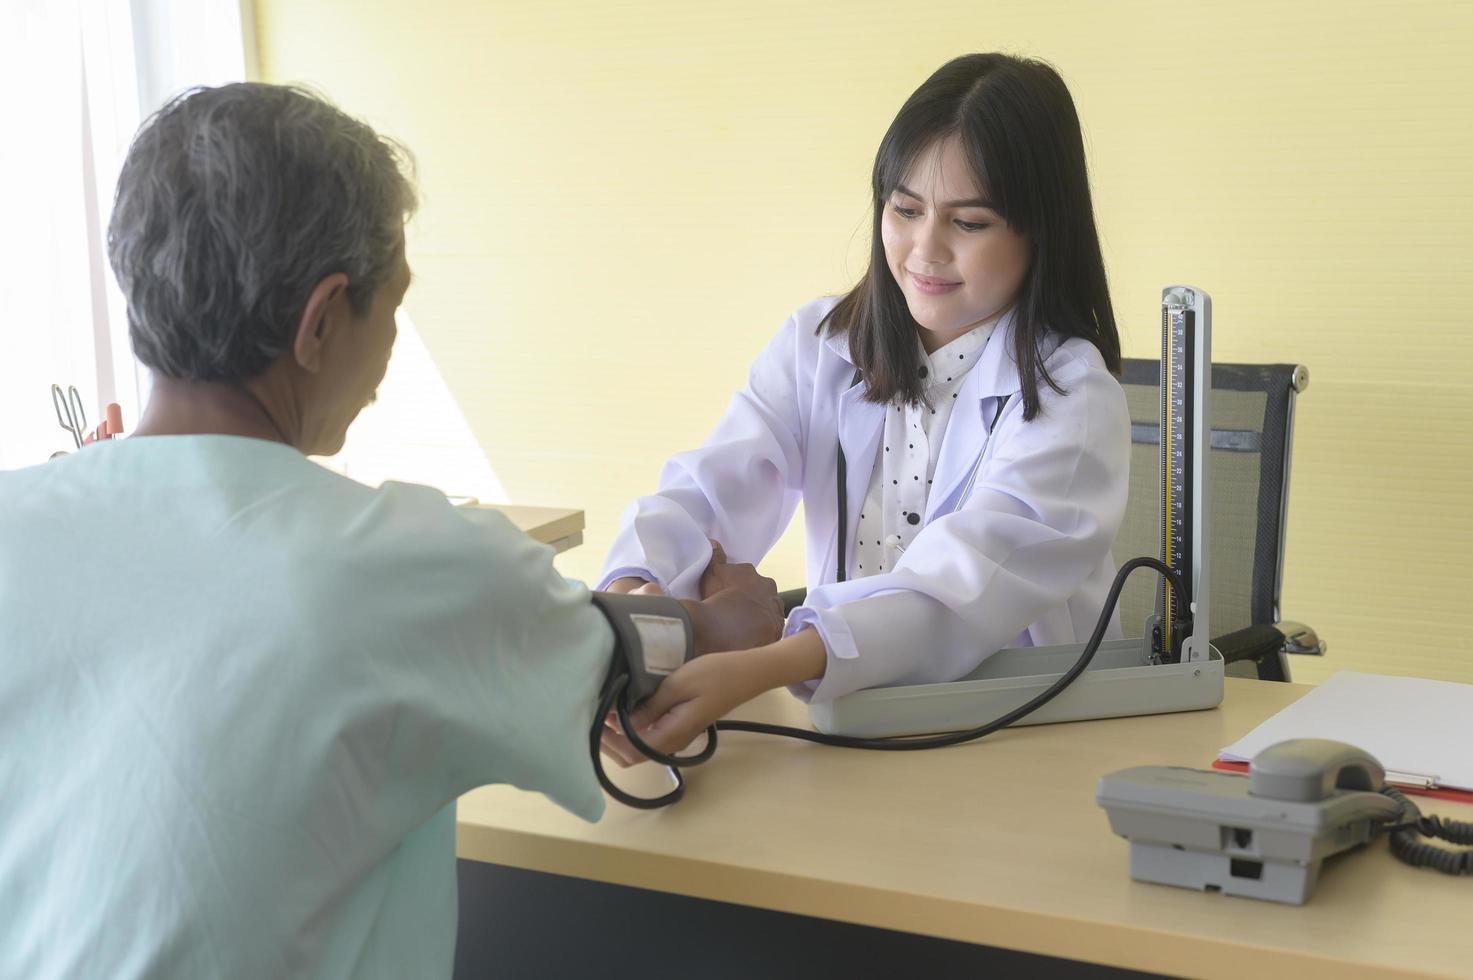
[905, 464]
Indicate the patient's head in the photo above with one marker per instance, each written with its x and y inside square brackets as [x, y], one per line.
[258, 236]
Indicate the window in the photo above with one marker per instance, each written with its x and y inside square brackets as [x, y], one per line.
[79, 76]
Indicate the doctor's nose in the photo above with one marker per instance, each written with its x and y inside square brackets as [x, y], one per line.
[930, 245]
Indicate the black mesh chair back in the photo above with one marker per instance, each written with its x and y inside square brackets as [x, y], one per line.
[1252, 428]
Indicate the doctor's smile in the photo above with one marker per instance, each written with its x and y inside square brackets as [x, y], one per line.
[934, 287]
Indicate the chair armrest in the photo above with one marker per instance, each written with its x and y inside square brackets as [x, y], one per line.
[1261, 639]
[1249, 643]
[1299, 638]
[1265, 645]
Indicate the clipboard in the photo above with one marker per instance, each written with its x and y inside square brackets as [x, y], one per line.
[1410, 789]
[1418, 729]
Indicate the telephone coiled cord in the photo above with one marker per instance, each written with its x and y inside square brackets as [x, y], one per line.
[1408, 844]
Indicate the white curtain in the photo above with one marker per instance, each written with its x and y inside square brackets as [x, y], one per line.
[76, 79]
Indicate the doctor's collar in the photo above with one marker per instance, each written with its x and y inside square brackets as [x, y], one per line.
[957, 357]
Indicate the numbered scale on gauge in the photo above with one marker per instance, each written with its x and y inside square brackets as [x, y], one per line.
[1186, 372]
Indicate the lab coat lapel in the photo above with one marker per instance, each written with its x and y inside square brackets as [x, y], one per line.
[961, 445]
[995, 376]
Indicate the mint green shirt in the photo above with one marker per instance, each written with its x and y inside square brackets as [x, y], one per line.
[239, 695]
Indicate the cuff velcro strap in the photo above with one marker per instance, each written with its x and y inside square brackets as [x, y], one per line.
[652, 635]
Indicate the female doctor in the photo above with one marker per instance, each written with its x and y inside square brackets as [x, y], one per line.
[952, 425]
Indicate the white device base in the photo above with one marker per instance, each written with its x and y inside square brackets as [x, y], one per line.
[1120, 682]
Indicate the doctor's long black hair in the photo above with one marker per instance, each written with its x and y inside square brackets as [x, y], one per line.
[1017, 124]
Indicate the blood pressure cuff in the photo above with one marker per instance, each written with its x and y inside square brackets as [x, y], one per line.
[653, 636]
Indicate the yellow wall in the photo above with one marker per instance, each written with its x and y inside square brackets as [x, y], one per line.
[623, 201]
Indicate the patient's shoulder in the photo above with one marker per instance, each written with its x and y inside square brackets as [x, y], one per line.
[404, 538]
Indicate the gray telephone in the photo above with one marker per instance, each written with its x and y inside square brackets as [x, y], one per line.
[1264, 836]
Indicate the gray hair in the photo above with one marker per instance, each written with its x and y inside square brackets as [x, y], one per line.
[233, 203]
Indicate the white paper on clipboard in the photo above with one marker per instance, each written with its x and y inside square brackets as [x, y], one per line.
[1419, 730]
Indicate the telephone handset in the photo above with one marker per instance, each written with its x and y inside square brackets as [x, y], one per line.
[1267, 836]
[1309, 769]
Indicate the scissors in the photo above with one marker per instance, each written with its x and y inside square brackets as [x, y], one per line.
[69, 411]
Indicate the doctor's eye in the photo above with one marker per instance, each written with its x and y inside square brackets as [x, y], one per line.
[972, 225]
[905, 212]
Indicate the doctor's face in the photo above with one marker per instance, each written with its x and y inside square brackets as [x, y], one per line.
[955, 259]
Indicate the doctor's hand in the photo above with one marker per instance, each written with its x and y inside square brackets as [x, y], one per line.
[707, 688]
[687, 701]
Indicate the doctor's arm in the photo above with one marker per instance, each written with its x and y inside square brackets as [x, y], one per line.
[708, 688]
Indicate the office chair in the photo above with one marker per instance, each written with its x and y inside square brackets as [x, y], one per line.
[1252, 434]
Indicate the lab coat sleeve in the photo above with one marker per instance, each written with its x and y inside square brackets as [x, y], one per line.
[1040, 521]
[740, 487]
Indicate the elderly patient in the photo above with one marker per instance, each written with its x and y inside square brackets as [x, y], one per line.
[239, 694]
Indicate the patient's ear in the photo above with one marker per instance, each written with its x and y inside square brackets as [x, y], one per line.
[327, 309]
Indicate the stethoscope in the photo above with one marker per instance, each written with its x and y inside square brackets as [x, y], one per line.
[842, 491]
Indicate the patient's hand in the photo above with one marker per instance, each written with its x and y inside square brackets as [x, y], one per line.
[739, 608]
[721, 575]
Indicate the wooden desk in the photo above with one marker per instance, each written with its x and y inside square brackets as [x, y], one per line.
[557, 526]
[999, 843]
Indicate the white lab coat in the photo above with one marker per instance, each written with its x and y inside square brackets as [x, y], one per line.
[1023, 559]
